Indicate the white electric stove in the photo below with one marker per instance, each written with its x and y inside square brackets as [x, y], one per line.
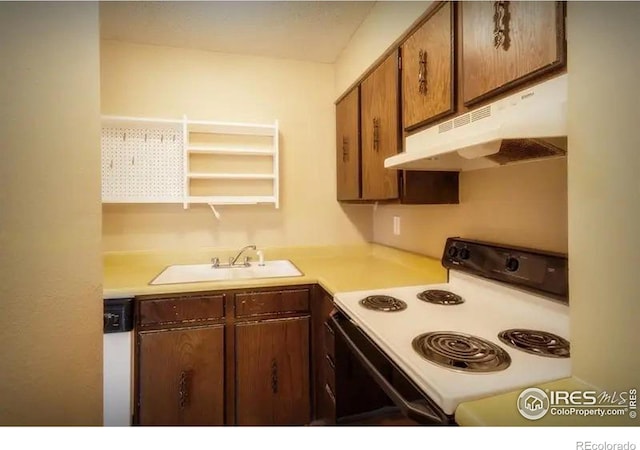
[500, 323]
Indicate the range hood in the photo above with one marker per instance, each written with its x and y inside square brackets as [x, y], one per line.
[526, 126]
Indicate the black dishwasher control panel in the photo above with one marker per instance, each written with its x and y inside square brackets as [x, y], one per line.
[118, 315]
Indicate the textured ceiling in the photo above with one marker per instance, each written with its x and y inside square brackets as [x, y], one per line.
[311, 31]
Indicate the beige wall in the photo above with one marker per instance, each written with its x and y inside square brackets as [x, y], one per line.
[50, 282]
[522, 205]
[604, 192]
[153, 81]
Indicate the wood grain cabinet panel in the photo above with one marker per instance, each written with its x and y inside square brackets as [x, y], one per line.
[186, 309]
[380, 130]
[323, 344]
[272, 372]
[505, 44]
[181, 376]
[427, 70]
[272, 302]
[348, 146]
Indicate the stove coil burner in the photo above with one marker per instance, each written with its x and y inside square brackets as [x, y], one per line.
[384, 303]
[461, 352]
[536, 342]
[439, 297]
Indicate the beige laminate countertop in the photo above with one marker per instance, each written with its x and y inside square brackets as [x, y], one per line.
[336, 269]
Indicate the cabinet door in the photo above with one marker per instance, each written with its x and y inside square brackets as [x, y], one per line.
[427, 70]
[272, 372]
[531, 43]
[181, 376]
[348, 146]
[380, 130]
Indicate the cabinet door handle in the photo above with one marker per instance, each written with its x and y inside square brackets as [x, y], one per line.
[330, 361]
[422, 72]
[376, 134]
[345, 149]
[183, 392]
[501, 18]
[330, 393]
[274, 376]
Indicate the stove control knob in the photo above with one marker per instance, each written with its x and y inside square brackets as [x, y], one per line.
[464, 253]
[512, 264]
[452, 252]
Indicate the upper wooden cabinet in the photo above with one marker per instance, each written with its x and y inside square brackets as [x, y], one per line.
[505, 44]
[427, 70]
[348, 146]
[380, 133]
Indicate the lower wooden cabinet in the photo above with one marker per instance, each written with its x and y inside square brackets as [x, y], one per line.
[213, 358]
[181, 376]
[323, 358]
[272, 372]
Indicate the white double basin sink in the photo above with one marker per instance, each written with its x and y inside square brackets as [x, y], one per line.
[193, 273]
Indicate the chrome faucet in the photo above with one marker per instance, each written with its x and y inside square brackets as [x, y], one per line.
[232, 261]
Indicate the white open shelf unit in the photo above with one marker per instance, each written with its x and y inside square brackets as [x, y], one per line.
[149, 160]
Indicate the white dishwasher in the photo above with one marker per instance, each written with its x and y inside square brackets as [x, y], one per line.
[117, 361]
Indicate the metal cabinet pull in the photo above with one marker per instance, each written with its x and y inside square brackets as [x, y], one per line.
[422, 72]
[501, 18]
[376, 134]
[274, 376]
[327, 389]
[345, 149]
[183, 393]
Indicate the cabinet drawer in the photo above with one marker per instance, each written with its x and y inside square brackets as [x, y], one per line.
[330, 372]
[272, 302]
[181, 309]
[329, 341]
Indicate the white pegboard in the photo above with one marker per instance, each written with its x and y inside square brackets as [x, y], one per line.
[142, 164]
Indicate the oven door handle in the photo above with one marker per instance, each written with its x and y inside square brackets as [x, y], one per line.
[407, 407]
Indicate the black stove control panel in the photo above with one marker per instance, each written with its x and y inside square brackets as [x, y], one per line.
[535, 270]
[117, 315]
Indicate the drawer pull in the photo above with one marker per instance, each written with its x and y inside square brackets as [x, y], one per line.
[274, 376]
[185, 385]
[330, 393]
[328, 327]
[422, 72]
[330, 361]
[376, 134]
[501, 18]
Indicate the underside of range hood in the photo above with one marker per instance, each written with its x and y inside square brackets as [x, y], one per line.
[527, 126]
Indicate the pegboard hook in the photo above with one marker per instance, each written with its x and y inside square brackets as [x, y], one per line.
[215, 212]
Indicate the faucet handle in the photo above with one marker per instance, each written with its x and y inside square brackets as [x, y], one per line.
[215, 262]
[246, 261]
